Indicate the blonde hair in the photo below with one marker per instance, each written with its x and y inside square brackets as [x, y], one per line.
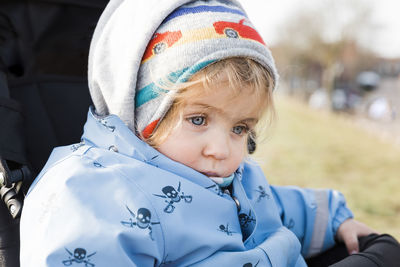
[240, 72]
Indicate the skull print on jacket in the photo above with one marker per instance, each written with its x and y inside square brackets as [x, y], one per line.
[132, 206]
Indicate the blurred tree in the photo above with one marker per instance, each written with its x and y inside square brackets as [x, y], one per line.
[323, 43]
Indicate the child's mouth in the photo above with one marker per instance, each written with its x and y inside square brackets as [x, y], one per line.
[211, 174]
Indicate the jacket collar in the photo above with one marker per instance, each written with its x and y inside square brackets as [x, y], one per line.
[109, 132]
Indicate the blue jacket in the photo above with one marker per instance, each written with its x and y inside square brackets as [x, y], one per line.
[112, 200]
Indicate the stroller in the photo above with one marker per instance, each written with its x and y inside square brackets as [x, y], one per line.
[44, 96]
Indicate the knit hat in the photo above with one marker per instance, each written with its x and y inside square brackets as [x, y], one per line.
[186, 39]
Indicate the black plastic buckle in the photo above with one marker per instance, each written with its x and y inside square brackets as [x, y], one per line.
[10, 181]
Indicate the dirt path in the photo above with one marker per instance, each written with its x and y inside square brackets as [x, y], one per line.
[386, 131]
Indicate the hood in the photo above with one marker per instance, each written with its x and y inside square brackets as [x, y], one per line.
[119, 42]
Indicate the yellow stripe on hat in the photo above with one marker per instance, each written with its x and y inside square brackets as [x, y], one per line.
[198, 35]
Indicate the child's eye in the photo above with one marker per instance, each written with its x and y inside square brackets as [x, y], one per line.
[198, 120]
[239, 130]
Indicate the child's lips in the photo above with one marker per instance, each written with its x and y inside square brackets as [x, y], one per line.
[211, 174]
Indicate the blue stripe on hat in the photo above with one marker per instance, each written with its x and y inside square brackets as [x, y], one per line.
[146, 94]
[152, 91]
[185, 75]
[199, 9]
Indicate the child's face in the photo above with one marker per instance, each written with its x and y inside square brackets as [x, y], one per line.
[212, 134]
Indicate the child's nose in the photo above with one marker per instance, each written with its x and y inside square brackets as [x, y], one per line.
[217, 146]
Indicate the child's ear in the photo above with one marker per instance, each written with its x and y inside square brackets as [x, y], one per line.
[251, 142]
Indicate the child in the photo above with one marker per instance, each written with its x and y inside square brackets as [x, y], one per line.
[161, 177]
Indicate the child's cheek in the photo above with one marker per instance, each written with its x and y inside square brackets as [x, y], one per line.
[239, 151]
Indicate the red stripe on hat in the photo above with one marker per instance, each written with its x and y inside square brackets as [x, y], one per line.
[236, 30]
[149, 129]
[160, 42]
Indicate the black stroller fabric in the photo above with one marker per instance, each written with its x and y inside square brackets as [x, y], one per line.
[44, 96]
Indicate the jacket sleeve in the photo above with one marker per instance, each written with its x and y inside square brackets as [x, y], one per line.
[312, 215]
[88, 216]
[266, 254]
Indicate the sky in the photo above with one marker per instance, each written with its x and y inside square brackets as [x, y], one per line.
[268, 15]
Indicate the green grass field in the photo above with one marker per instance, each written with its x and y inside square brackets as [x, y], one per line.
[317, 149]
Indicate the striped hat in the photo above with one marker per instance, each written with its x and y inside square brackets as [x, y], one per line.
[190, 38]
[174, 39]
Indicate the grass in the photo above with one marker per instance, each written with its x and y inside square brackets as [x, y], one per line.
[318, 149]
